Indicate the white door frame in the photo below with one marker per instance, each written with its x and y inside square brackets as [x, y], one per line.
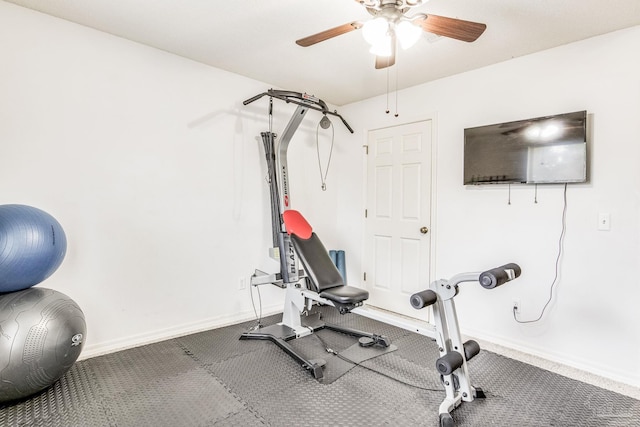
[433, 224]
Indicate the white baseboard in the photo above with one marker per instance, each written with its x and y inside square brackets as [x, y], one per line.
[101, 348]
[572, 368]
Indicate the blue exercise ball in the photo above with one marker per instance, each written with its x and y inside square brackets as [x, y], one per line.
[32, 246]
[42, 332]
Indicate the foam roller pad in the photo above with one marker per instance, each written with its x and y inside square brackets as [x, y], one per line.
[423, 299]
[471, 349]
[449, 363]
[499, 275]
[341, 264]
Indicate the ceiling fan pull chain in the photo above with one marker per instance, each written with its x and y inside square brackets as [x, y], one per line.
[325, 123]
[387, 110]
[396, 67]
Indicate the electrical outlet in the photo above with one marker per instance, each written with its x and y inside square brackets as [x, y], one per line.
[242, 283]
[604, 221]
[516, 306]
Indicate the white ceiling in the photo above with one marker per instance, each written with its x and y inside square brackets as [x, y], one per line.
[255, 38]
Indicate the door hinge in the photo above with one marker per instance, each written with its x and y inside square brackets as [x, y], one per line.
[366, 149]
[365, 213]
[365, 276]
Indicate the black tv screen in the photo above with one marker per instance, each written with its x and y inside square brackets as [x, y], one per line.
[543, 150]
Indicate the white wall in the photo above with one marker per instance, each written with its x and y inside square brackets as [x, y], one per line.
[153, 168]
[592, 321]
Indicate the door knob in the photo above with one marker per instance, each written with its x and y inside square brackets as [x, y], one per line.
[424, 230]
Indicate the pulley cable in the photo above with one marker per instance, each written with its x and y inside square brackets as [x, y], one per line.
[325, 123]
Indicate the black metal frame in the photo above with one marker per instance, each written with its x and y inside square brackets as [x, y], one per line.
[280, 334]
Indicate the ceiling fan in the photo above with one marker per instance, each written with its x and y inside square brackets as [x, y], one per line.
[391, 25]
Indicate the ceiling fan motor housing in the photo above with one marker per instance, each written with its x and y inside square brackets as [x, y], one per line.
[398, 4]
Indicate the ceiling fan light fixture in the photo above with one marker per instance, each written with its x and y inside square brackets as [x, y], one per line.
[408, 34]
[384, 47]
[375, 31]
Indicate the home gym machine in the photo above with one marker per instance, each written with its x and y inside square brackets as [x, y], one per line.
[319, 281]
[294, 243]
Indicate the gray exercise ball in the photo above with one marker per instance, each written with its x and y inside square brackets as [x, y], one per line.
[42, 332]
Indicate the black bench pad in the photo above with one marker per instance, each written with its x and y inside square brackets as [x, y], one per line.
[345, 294]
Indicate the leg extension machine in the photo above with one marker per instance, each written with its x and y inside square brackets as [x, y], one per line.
[454, 354]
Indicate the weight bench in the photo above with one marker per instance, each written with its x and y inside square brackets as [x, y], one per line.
[322, 284]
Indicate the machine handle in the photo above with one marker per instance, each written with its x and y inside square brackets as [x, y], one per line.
[499, 275]
[343, 121]
[255, 98]
[300, 99]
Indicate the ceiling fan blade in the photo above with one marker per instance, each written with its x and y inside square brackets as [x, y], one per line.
[451, 27]
[387, 61]
[327, 34]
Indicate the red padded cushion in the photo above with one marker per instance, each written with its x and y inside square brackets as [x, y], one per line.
[296, 224]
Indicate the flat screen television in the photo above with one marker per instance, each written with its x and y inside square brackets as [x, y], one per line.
[543, 150]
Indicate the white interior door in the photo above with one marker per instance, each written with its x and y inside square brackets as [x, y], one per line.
[398, 211]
